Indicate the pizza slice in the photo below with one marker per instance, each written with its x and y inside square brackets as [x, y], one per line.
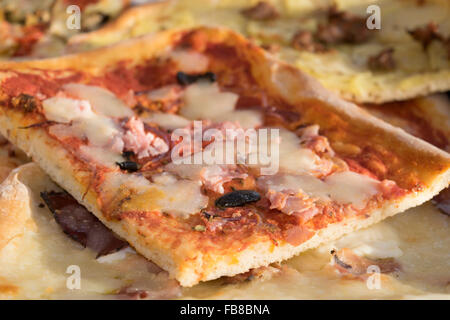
[112, 128]
[404, 55]
[39, 28]
[38, 248]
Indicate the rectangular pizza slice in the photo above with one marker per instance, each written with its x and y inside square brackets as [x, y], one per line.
[209, 156]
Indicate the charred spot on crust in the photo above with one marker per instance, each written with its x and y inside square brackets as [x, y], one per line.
[81, 225]
[237, 198]
[25, 101]
[128, 165]
[186, 79]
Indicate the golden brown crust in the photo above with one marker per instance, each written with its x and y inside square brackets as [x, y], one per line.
[189, 256]
[335, 69]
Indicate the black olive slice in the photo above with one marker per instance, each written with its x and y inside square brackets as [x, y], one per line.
[186, 79]
[128, 165]
[237, 198]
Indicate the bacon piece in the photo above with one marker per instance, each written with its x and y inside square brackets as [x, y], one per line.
[261, 11]
[425, 35]
[289, 203]
[214, 177]
[346, 261]
[343, 27]
[383, 61]
[311, 138]
[81, 225]
[304, 41]
[143, 144]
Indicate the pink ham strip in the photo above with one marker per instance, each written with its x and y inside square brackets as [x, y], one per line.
[143, 144]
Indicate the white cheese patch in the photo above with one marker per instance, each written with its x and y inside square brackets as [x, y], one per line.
[343, 187]
[204, 100]
[178, 197]
[64, 110]
[102, 100]
[246, 118]
[101, 155]
[98, 129]
[181, 197]
[166, 92]
[294, 158]
[166, 120]
[351, 187]
[190, 61]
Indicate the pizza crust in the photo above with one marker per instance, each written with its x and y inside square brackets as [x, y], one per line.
[184, 261]
[343, 70]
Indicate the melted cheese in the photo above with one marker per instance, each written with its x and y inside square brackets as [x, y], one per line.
[34, 263]
[101, 100]
[190, 61]
[179, 197]
[343, 187]
[245, 118]
[292, 157]
[64, 110]
[167, 120]
[351, 187]
[84, 123]
[204, 100]
[98, 130]
[101, 155]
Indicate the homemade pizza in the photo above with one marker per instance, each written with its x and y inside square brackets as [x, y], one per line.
[114, 129]
[30, 28]
[37, 252]
[364, 50]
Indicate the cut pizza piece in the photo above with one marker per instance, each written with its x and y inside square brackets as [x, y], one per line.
[404, 54]
[41, 28]
[111, 126]
[427, 118]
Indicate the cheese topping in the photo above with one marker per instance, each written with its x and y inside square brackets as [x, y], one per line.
[99, 130]
[101, 100]
[167, 120]
[64, 110]
[295, 159]
[343, 187]
[204, 100]
[168, 194]
[190, 61]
